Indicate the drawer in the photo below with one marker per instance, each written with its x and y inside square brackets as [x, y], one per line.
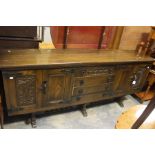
[99, 70]
[93, 80]
[88, 90]
[91, 97]
[89, 71]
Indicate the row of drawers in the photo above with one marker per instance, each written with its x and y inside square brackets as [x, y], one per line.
[101, 82]
[95, 80]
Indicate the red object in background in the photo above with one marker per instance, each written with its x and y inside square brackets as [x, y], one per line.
[82, 36]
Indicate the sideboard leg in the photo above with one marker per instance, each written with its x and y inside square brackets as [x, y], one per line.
[28, 120]
[32, 120]
[1, 121]
[120, 101]
[83, 110]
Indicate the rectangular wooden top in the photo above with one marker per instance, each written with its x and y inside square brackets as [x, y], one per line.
[35, 58]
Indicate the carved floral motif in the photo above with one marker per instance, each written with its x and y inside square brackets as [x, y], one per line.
[26, 87]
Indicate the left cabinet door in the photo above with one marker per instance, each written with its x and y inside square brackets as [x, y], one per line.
[57, 87]
[22, 91]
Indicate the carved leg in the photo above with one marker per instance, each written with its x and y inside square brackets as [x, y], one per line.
[83, 110]
[28, 121]
[1, 121]
[120, 101]
[32, 120]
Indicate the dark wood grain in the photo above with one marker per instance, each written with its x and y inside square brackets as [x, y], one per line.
[101, 37]
[38, 80]
[29, 91]
[18, 44]
[34, 58]
[19, 37]
[18, 31]
[66, 29]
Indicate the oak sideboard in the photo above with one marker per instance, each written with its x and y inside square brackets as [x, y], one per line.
[41, 80]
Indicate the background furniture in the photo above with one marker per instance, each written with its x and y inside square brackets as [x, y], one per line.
[131, 36]
[15, 37]
[149, 46]
[89, 37]
[18, 37]
[40, 80]
[104, 37]
[139, 116]
[148, 93]
[149, 110]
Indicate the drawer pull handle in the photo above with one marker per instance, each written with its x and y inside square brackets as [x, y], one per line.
[80, 91]
[81, 82]
[68, 70]
[43, 87]
[11, 77]
[78, 98]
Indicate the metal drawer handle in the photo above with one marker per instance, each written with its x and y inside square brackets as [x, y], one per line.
[43, 87]
[134, 79]
[81, 82]
[78, 98]
[68, 70]
[80, 91]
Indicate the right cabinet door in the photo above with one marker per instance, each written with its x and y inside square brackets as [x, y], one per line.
[138, 77]
[130, 78]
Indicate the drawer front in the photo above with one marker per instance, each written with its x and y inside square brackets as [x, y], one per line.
[91, 97]
[91, 89]
[93, 80]
[90, 71]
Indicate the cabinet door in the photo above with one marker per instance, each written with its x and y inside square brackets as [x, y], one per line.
[57, 87]
[122, 79]
[138, 77]
[22, 91]
[130, 78]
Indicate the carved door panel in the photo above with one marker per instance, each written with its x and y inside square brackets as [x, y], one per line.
[122, 79]
[22, 91]
[57, 87]
[138, 77]
[130, 78]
